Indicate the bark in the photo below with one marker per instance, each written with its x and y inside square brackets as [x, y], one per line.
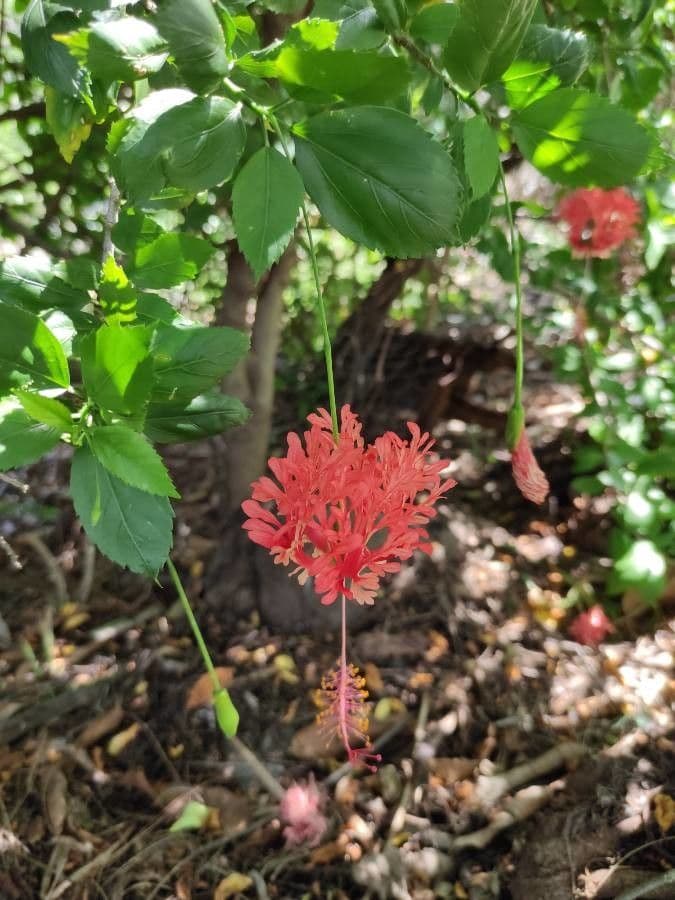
[359, 338]
[253, 379]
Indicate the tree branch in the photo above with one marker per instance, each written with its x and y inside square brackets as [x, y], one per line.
[31, 111]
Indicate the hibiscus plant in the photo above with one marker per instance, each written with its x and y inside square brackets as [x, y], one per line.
[392, 121]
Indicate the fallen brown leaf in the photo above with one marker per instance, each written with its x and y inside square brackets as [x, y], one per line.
[327, 853]
[101, 725]
[664, 811]
[232, 884]
[122, 739]
[54, 798]
[201, 692]
[450, 769]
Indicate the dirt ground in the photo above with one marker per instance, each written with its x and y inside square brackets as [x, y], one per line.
[516, 763]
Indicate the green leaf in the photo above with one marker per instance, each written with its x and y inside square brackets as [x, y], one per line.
[266, 197]
[481, 155]
[174, 422]
[660, 463]
[129, 456]
[188, 361]
[133, 528]
[172, 136]
[116, 294]
[29, 352]
[486, 39]
[133, 228]
[117, 367]
[38, 283]
[548, 58]
[46, 410]
[69, 121]
[577, 138]
[360, 28]
[392, 14]
[359, 77]
[44, 57]
[434, 24]
[152, 309]
[380, 179]
[642, 567]
[192, 817]
[119, 50]
[169, 260]
[474, 216]
[22, 439]
[207, 139]
[196, 41]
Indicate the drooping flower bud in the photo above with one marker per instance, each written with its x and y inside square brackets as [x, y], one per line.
[531, 481]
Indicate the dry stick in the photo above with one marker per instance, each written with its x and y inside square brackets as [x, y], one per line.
[649, 887]
[619, 863]
[56, 576]
[524, 804]
[88, 571]
[492, 788]
[204, 848]
[398, 819]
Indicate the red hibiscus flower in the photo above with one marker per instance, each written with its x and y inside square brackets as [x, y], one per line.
[345, 513]
[591, 627]
[531, 481]
[599, 220]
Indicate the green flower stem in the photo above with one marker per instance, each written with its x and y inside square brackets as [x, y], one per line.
[327, 350]
[515, 252]
[425, 60]
[226, 714]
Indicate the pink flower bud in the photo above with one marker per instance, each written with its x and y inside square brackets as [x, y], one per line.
[299, 810]
[531, 481]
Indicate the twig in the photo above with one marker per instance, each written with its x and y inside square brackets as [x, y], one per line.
[491, 788]
[619, 863]
[46, 711]
[88, 570]
[110, 219]
[520, 807]
[14, 561]
[14, 482]
[103, 859]
[263, 774]
[205, 848]
[399, 817]
[649, 887]
[524, 804]
[54, 571]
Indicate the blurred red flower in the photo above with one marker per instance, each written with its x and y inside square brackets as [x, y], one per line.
[300, 813]
[599, 220]
[591, 627]
[346, 513]
[531, 481]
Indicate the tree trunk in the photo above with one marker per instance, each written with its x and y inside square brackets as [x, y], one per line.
[253, 379]
[242, 577]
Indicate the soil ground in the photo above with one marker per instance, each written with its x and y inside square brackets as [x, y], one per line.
[516, 763]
